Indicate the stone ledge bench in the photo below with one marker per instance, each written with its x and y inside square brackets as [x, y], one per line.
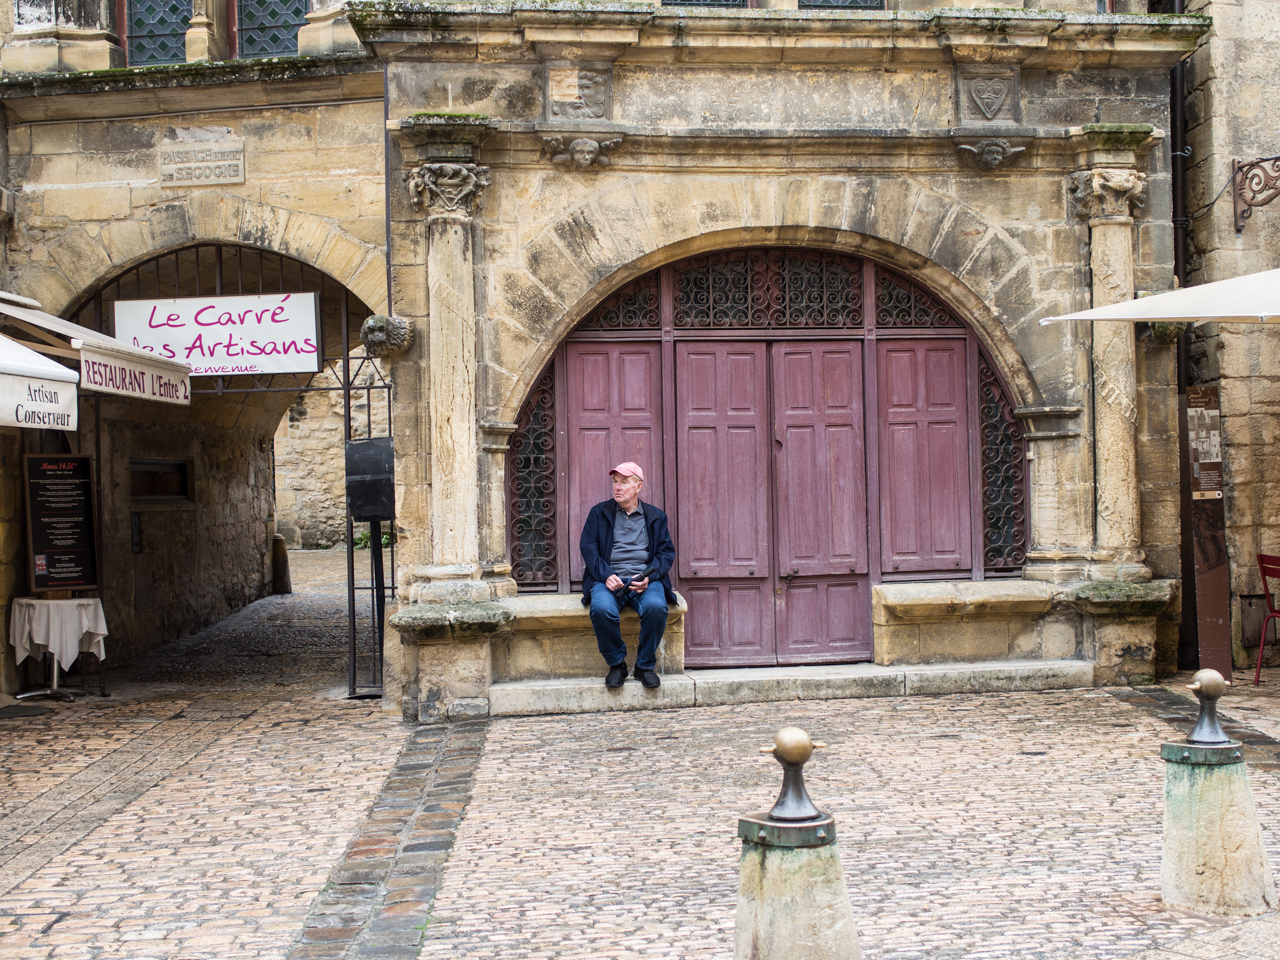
[442, 658]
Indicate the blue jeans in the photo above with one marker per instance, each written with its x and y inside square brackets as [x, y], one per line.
[652, 607]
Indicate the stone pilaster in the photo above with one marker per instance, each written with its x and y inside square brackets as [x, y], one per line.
[1106, 196]
[495, 445]
[327, 31]
[63, 36]
[449, 192]
[207, 33]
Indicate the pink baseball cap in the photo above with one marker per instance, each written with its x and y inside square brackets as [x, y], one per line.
[628, 469]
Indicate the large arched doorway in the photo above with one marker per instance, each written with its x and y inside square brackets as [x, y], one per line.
[813, 423]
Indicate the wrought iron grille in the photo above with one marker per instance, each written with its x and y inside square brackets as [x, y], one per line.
[634, 307]
[769, 288]
[531, 504]
[1004, 475]
[904, 305]
[269, 28]
[158, 31]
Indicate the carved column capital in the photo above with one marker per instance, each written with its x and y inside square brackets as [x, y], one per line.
[1108, 194]
[444, 188]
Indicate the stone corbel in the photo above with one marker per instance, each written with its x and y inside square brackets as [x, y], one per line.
[1046, 421]
[8, 205]
[1113, 145]
[427, 137]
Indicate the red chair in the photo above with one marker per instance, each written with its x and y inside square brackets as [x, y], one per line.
[1268, 566]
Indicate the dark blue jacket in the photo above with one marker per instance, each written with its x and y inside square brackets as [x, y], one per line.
[597, 546]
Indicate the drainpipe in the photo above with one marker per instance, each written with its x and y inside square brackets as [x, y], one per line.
[1188, 634]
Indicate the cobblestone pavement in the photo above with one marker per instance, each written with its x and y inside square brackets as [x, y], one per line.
[982, 827]
[199, 810]
[227, 802]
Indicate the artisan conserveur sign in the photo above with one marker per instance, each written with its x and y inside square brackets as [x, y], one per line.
[227, 336]
[35, 392]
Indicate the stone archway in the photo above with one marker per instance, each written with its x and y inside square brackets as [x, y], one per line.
[79, 261]
[622, 232]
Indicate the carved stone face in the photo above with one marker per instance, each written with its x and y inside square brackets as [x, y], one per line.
[584, 152]
[992, 156]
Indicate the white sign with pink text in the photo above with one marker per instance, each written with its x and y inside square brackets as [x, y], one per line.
[227, 336]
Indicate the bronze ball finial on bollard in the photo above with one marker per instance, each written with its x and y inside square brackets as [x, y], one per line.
[1212, 859]
[792, 900]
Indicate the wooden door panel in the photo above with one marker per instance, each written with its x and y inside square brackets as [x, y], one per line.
[729, 623]
[820, 458]
[924, 473]
[722, 444]
[614, 415]
[825, 619]
[724, 549]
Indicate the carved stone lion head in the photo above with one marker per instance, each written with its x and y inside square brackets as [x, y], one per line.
[386, 336]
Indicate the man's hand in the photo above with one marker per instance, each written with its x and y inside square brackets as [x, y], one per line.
[614, 582]
[639, 586]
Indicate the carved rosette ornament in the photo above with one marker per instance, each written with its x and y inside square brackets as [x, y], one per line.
[447, 187]
[1108, 194]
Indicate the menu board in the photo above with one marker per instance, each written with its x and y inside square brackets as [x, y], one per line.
[1204, 442]
[60, 539]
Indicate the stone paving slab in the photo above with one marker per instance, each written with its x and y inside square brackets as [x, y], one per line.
[988, 827]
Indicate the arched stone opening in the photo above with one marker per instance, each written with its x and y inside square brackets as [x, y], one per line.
[176, 562]
[842, 406]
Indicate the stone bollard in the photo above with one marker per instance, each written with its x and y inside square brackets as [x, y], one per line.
[792, 900]
[281, 582]
[1213, 860]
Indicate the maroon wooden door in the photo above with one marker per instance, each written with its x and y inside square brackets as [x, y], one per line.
[615, 414]
[924, 456]
[722, 443]
[823, 606]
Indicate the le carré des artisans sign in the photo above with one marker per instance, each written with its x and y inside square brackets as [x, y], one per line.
[226, 336]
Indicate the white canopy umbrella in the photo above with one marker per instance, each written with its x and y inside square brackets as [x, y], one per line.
[1250, 299]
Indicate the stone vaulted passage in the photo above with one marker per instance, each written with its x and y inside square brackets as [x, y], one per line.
[813, 424]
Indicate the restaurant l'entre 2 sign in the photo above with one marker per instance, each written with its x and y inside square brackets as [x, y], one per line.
[227, 336]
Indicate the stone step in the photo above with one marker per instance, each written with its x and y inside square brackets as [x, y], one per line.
[703, 688]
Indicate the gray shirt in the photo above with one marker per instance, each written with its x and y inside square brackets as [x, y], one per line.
[630, 544]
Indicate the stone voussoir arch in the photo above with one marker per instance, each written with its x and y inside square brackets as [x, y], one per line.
[575, 262]
[80, 261]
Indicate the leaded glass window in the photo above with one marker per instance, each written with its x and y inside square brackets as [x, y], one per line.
[158, 31]
[269, 28]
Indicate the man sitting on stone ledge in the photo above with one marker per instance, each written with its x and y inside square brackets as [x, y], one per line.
[622, 541]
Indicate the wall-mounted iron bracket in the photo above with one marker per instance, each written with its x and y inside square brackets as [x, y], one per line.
[1255, 183]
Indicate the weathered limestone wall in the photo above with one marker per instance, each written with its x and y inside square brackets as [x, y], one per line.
[309, 461]
[90, 201]
[1230, 115]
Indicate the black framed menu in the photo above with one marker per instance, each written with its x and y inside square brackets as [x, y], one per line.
[61, 547]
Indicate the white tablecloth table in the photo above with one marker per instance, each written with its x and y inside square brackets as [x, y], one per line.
[66, 628]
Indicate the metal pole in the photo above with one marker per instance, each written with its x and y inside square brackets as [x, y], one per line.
[351, 544]
[379, 599]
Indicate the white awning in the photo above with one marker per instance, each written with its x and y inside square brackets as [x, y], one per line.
[1250, 299]
[106, 364]
[35, 392]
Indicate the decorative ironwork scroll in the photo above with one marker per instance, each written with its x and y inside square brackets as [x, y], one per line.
[634, 307]
[158, 31]
[769, 288]
[1257, 183]
[531, 501]
[1004, 475]
[903, 305]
